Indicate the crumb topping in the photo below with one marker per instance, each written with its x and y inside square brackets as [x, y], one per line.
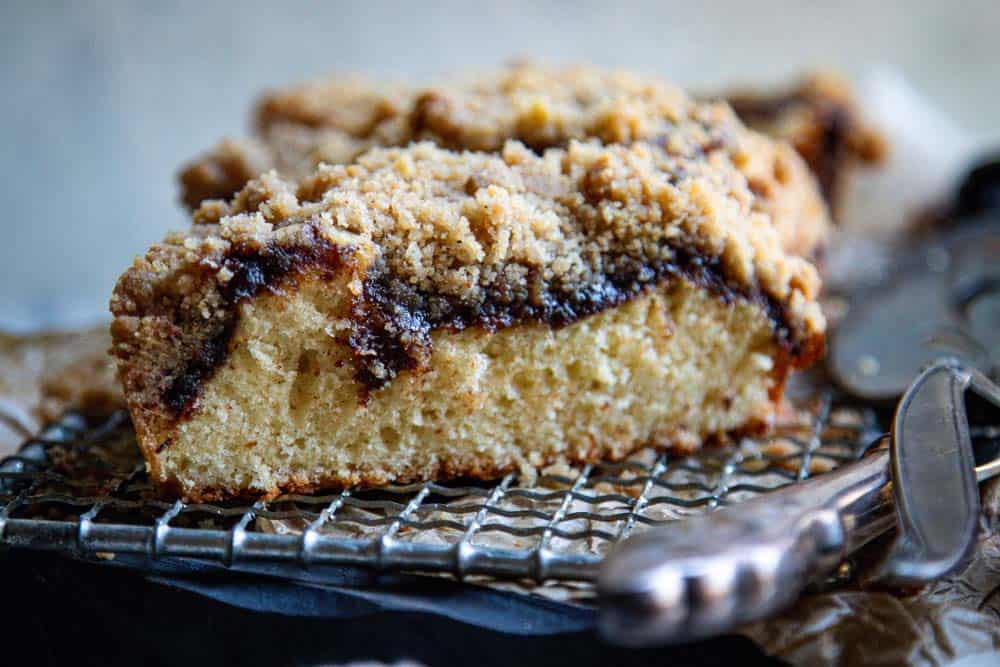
[542, 107]
[470, 224]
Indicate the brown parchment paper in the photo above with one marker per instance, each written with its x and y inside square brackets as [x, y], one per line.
[862, 624]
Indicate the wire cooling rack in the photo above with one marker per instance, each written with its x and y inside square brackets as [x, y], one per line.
[81, 486]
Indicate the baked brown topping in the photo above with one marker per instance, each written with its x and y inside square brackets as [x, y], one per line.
[443, 239]
[542, 107]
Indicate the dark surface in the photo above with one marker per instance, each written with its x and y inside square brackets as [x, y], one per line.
[69, 612]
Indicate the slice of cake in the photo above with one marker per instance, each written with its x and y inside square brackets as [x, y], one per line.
[426, 313]
[543, 107]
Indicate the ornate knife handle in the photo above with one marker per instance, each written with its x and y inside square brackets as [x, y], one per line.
[699, 577]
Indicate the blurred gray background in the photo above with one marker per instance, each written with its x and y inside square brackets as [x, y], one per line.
[102, 101]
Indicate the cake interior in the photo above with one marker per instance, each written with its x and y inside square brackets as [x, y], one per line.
[671, 367]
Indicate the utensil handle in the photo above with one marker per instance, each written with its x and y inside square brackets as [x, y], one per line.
[934, 476]
[699, 577]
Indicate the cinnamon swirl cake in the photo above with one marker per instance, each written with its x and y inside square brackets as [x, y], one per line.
[427, 311]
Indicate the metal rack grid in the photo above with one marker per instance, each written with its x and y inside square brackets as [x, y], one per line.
[81, 486]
